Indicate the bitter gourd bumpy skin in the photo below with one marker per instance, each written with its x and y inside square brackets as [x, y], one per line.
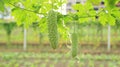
[74, 38]
[52, 28]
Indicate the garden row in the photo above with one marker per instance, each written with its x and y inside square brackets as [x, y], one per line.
[57, 60]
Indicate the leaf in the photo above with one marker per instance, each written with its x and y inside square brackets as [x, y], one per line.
[42, 25]
[107, 18]
[116, 13]
[88, 5]
[24, 17]
[84, 9]
[92, 12]
[2, 6]
[67, 18]
[60, 2]
[82, 20]
[110, 4]
[77, 6]
[48, 6]
[19, 16]
[95, 2]
[111, 20]
[103, 19]
[6, 1]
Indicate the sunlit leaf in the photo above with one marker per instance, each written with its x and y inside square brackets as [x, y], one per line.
[2, 7]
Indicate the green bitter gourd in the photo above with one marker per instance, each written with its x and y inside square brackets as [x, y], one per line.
[52, 28]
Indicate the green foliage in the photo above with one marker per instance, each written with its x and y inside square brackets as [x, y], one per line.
[83, 9]
[84, 12]
[106, 15]
[43, 25]
[24, 17]
[2, 5]
[26, 11]
[95, 2]
[9, 27]
[107, 18]
[111, 3]
[116, 13]
[52, 29]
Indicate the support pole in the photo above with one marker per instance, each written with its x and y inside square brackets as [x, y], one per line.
[109, 45]
[25, 40]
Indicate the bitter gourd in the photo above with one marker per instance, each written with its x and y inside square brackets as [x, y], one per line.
[52, 28]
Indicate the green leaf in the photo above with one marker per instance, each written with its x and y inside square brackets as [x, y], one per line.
[43, 25]
[6, 1]
[82, 20]
[67, 18]
[107, 18]
[110, 3]
[88, 5]
[77, 7]
[2, 7]
[84, 9]
[103, 19]
[111, 20]
[24, 17]
[116, 13]
[95, 2]
[60, 2]
[92, 12]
